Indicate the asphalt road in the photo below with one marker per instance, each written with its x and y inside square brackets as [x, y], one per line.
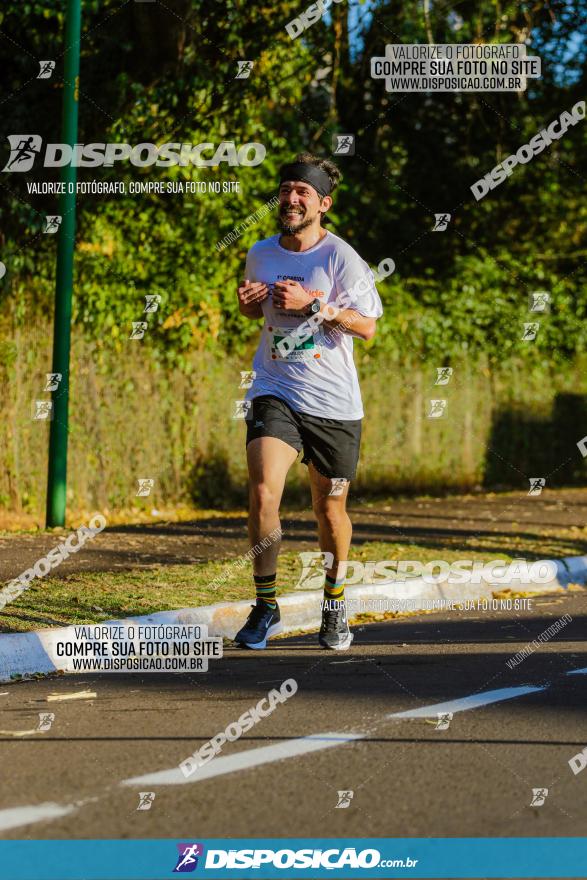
[408, 778]
[432, 522]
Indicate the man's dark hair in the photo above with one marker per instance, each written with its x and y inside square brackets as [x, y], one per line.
[329, 168]
[325, 164]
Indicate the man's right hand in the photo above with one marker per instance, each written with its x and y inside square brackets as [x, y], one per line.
[251, 294]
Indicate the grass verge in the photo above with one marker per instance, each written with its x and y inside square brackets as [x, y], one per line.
[87, 597]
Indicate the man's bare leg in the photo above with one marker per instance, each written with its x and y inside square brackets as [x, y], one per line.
[334, 532]
[334, 526]
[268, 459]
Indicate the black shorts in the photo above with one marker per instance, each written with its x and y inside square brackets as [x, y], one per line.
[332, 445]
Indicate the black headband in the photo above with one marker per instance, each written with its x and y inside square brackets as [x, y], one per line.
[309, 174]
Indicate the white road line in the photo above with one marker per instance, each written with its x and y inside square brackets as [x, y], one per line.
[13, 817]
[463, 704]
[304, 745]
[291, 748]
[361, 660]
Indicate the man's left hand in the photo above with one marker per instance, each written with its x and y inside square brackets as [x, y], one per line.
[290, 295]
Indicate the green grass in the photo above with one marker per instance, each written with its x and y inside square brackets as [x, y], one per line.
[87, 597]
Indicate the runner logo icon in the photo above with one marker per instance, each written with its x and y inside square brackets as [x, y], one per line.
[187, 860]
[313, 565]
[24, 149]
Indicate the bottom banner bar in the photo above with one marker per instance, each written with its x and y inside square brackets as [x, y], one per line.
[336, 858]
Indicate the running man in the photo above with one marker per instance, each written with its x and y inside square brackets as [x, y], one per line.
[314, 293]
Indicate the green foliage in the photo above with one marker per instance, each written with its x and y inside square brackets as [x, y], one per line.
[211, 484]
[481, 310]
[165, 72]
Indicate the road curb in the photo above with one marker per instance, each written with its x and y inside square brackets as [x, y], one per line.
[24, 654]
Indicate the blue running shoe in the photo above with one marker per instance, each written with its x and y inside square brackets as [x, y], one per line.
[262, 623]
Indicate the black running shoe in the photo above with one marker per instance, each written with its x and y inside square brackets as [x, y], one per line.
[334, 632]
[262, 623]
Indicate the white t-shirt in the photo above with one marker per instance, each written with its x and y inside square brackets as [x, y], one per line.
[318, 377]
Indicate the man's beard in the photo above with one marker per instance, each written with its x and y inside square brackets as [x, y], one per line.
[290, 228]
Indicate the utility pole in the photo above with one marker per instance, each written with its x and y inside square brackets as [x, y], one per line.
[57, 473]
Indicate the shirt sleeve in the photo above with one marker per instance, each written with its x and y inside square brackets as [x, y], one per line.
[355, 286]
[250, 265]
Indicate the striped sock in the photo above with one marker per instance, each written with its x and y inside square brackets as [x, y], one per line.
[265, 589]
[333, 588]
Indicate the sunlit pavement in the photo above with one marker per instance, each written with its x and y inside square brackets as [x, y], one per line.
[512, 731]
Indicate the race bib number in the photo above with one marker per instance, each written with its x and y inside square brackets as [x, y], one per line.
[295, 351]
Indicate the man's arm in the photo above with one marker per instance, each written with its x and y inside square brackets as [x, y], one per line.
[349, 321]
[250, 296]
[291, 295]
